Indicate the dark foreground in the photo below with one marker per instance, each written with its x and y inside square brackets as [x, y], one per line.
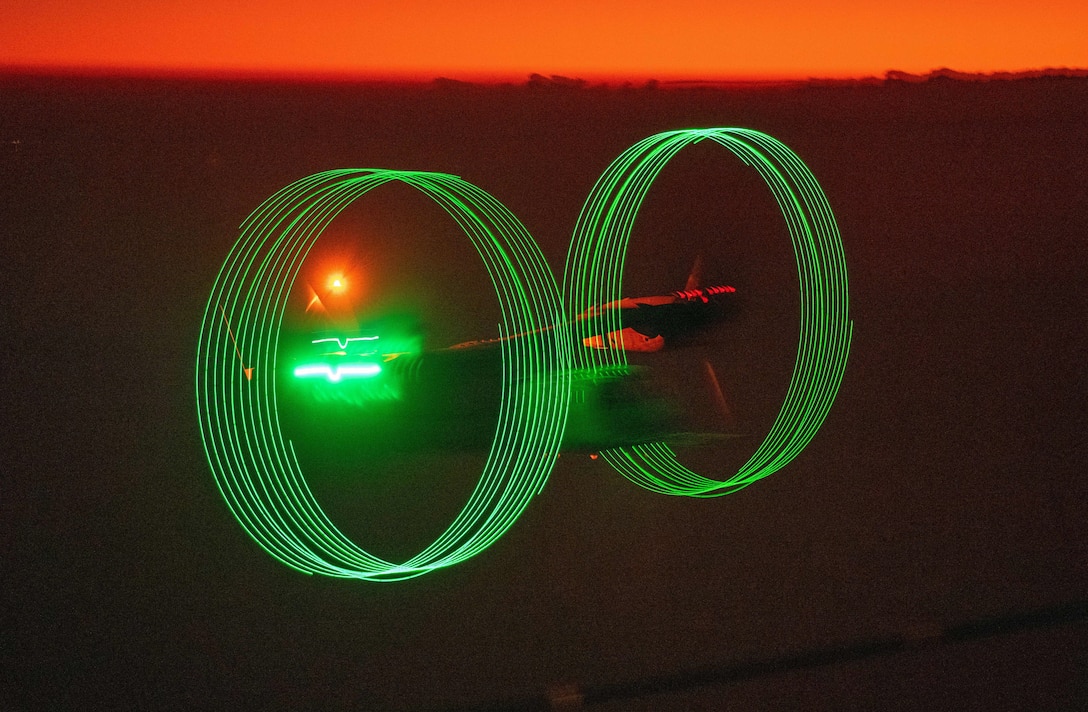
[946, 489]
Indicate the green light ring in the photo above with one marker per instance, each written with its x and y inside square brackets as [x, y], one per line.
[253, 509]
[255, 466]
[594, 273]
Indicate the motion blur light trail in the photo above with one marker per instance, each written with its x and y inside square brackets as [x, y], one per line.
[594, 275]
[336, 373]
[256, 468]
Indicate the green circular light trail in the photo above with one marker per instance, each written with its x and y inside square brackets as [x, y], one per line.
[594, 273]
[255, 466]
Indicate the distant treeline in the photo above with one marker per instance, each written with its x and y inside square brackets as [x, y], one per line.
[944, 74]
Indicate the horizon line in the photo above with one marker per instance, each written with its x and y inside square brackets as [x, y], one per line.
[509, 78]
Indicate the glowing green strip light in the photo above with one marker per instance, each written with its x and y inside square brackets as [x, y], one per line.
[255, 466]
[594, 273]
[335, 375]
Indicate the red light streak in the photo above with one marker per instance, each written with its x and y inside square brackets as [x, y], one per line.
[247, 370]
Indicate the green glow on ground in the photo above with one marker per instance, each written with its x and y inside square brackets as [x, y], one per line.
[594, 274]
[255, 466]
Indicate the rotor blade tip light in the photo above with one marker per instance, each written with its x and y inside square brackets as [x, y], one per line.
[256, 470]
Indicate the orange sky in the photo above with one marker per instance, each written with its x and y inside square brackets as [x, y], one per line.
[508, 39]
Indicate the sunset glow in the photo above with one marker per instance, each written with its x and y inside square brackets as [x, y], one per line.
[491, 40]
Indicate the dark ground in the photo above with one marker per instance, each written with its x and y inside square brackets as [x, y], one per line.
[946, 486]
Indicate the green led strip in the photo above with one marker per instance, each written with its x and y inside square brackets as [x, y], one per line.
[594, 273]
[255, 466]
[334, 374]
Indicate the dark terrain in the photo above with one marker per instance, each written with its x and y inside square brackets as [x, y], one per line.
[947, 486]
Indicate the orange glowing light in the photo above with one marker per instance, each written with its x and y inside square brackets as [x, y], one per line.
[337, 283]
